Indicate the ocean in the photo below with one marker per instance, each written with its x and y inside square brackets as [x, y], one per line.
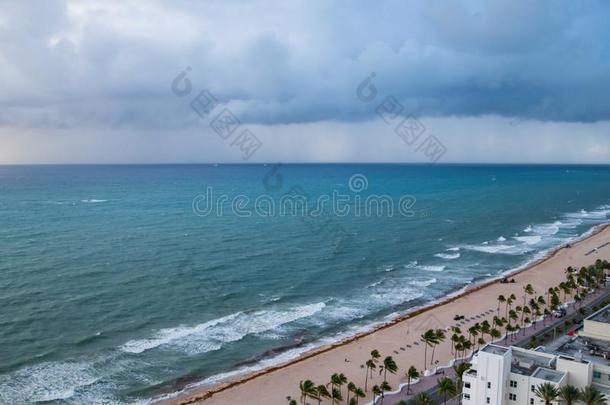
[123, 283]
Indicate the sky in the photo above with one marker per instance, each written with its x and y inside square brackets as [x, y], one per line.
[115, 81]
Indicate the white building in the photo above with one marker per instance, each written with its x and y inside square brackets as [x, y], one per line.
[509, 376]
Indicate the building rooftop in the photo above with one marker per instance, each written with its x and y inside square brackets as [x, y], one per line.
[548, 374]
[493, 349]
[602, 316]
[587, 350]
[527, 363]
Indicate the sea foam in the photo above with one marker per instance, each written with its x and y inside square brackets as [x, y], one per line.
[212, 335]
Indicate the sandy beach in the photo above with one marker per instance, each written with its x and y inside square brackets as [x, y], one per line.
[399, 338]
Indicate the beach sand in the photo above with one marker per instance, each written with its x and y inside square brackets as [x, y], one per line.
[273, 385]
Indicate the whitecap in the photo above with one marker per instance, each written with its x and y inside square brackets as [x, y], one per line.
[411, 264]
[530, 240]
[546, 229]
[489, 249]
[51, 381]
[454, 249]
[388, 268]
[212, 335]
[93, 201]
[423, 283]
[448, 256]
[433, 268]
[501, 239]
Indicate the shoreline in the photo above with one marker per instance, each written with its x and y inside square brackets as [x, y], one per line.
[197, 393]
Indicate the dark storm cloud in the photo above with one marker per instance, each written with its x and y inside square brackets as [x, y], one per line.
[110, 64]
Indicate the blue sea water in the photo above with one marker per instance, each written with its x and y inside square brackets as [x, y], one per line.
[112, 290]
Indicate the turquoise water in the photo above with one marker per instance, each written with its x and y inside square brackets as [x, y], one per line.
[113, 291]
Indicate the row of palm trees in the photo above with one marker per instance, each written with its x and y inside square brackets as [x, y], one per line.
[333, 390]
[569, 394]
[577, 285]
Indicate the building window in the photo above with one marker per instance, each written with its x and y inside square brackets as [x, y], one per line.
[488, 400]
[488, 385]
[512, 397]
[467, 396]
[597, 374]
[467, 385]
[532, 401]
[533, 388]
[513, 384]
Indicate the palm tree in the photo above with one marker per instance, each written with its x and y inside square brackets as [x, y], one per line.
[359, 394]
[473, 331]
[527, 290]
[351, 387]
[440, 337]
[411, 374]
[509, 303]
[370, 365]
[547, 392]
[422, 399]
[459, 347]
[592, 396]
[308, 389]
[322, 392]
[337, 380]
[429, 339]
[526, 311]
[501, 300]
[376, 392]
[384, 387]
[375, 356]
[495, 334]
[336, 396]
[569, 394]
[460, 369]
[446, 387]
[292, 402]
[512, 316]
[389, 365]
[485, 328]
[565, 288]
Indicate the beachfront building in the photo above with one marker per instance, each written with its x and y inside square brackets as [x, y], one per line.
[509, 375]
[597, 325]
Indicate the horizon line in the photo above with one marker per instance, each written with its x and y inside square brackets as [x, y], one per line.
[311, 163]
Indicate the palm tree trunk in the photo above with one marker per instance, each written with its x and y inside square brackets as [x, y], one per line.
[366, 379]
[425, 354]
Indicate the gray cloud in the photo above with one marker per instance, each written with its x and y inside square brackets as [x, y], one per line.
[109, 64]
